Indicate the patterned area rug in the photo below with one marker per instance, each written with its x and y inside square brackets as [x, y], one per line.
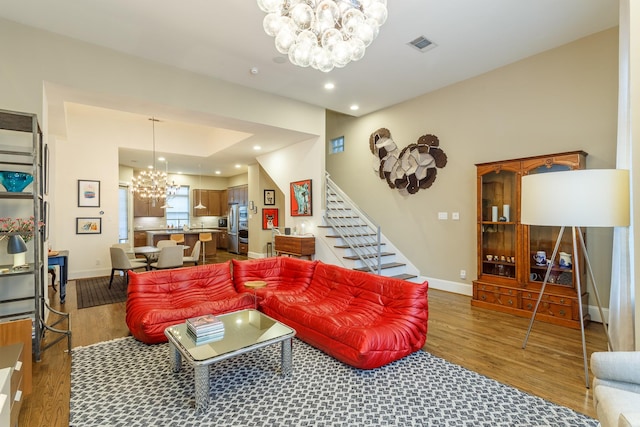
[127, 383]
[95, 291]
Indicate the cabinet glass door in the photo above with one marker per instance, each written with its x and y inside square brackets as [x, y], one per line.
[498, 227]
[542, 241]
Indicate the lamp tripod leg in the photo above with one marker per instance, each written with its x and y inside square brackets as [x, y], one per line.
[576, 272]
[544, 285]
[595, 289]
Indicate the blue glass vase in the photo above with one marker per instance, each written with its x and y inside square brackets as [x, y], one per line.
[15, 182]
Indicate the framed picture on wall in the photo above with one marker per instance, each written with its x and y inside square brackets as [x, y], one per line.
[88, 193]
[88, 225]
[301, 201]
[269, 218]
[269, 197]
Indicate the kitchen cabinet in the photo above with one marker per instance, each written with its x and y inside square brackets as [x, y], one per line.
[144, 207]
[215, 202]
[223, 240]
[243, 248]
[238, 195]
[139, 238]
[509, 278]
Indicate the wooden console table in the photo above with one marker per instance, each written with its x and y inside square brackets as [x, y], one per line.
[299, 246]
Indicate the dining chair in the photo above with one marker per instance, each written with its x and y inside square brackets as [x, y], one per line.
[128, 249]
[195, 254]
[204, 238]
[167, 242]
[121, 262]
[170, 257]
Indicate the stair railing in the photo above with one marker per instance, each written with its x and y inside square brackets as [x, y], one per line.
[354, 226]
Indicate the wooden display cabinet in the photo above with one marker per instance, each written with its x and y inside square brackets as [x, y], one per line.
[509, 279]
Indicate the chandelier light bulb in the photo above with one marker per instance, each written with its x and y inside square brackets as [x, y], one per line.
[323, 34]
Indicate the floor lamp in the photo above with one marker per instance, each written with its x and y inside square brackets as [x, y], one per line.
[577, 198]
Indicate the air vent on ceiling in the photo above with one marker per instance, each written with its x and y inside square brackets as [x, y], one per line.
[422, 44]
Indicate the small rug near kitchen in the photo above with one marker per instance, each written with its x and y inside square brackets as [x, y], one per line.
[127, 383]
[95, 291]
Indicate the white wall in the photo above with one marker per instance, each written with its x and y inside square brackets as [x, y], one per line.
[560, 100]
[36, 62]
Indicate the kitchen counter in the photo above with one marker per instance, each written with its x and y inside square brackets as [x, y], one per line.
[181, 231]
[190, 236]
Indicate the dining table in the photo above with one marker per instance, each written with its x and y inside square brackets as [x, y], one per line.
[150, 252]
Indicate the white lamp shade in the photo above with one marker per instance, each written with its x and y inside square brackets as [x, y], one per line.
[577, 198]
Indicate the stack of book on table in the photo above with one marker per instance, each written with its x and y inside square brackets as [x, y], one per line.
[204, 329]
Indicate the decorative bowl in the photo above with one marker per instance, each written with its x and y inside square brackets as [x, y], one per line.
[15, 182]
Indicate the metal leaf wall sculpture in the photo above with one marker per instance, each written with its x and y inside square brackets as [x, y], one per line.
[410, 169]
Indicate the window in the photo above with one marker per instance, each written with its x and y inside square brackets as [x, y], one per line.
[178, 208]
[337, 145]
[123, 214]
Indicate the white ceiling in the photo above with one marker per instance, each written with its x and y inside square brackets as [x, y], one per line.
[224, 39]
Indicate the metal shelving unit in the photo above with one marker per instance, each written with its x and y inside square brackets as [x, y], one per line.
[17, 300]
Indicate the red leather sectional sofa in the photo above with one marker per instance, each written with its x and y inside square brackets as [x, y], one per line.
[359, 318]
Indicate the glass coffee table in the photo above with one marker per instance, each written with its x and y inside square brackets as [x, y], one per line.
[244, 331]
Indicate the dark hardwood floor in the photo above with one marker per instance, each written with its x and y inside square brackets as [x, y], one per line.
[484, 341]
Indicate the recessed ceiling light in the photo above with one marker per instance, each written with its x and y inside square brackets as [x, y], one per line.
[354, 107]
[218, 172]
[238, 166]
[161, 159]
[150, 167]
[179, 172]
[329, 86]
[257, 147]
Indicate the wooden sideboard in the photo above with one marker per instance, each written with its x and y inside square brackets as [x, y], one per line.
[12, 364]
[300, 246]
[19, 331]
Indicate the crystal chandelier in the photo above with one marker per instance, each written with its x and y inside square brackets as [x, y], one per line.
[151, 184]
[172, 187]
[323, 34]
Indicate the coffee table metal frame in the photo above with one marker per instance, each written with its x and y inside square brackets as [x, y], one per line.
[245, 331]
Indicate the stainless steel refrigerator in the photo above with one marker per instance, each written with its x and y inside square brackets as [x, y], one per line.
[237, 228]
[233, 221]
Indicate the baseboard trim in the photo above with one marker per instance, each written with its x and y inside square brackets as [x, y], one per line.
[449, 286]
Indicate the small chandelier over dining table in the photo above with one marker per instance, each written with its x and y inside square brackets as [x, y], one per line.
[151, 184]
[323, 34]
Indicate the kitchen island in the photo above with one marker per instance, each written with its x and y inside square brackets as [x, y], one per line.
[190, 237]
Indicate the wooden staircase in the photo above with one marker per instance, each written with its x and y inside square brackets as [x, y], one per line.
[356, 239]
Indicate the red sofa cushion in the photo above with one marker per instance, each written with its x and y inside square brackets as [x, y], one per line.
[361, 319]
[285, 274]
[159, 299]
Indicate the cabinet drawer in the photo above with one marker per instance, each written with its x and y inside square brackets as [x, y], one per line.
[551, 305]
[555, 299]
[497, 289]
[502, 296]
